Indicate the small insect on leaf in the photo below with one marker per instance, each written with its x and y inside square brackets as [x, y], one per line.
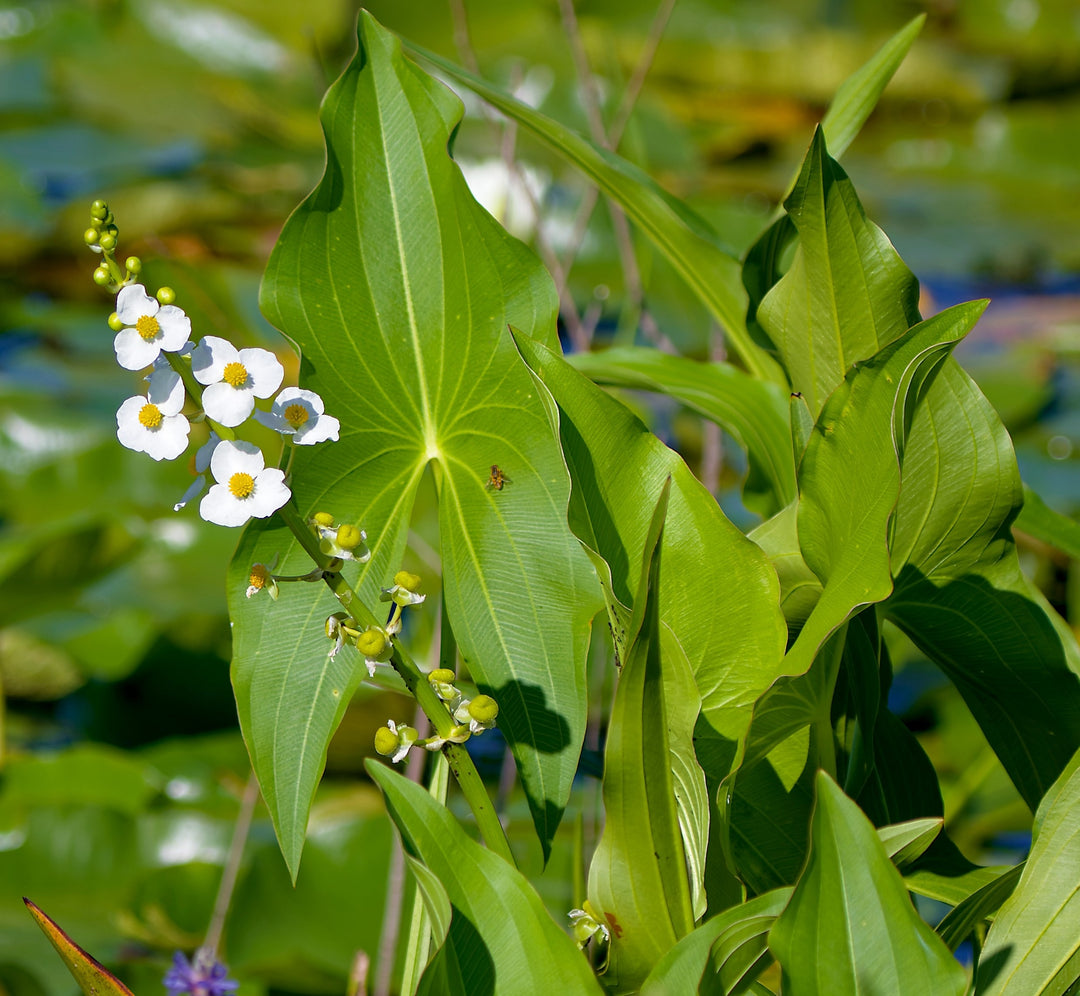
[497, 479]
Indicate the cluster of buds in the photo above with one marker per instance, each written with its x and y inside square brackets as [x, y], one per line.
[472, 716]
[223, 382]
[375, 643]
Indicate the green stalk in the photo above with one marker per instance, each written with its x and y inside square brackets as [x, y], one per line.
[443, 723]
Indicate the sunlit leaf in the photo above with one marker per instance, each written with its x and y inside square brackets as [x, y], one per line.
[397, 288]
[753, 411]
[850, 926]
[1033, 945]
[505, 942]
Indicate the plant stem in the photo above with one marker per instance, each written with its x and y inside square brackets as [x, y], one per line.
[232, 867]
[416, 681]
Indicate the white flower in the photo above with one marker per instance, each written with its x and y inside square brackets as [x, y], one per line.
[153, 424]
[245, 487]
[235, 378]
[150, 328]
[202, 463]
[300, 414]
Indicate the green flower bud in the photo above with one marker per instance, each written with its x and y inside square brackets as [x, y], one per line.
[99, 209]
[133, 264]
[386, 741]
[441, 676]
[459, 734]
[483, 709]
[372, 642]
[410, 582]
[114, 322]
[349, 537]
[166, 295]
[108, 242]
[90, 236]
[101, 276]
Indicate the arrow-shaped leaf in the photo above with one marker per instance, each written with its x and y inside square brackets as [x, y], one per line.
[93, 978]
[397, 287]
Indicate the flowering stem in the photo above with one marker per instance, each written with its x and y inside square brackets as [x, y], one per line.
[461, 764]
[194, 390]
[232, 867]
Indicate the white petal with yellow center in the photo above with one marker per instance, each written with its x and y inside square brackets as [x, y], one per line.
[301, 415]
[245, 488]
[234, 378]
[149, 328]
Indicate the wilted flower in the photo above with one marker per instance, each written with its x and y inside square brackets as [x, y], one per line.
[405, 590]
[394, 741]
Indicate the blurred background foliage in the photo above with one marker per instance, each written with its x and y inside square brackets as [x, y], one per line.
[122, 768]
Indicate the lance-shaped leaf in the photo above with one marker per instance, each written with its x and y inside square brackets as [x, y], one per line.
[93, 978]
[1033, 945]
[960, 594]
[637, 877]
[850, 926]
[731, 948]
[754, 411]
[720, 594]
[505, 943]
[397, 287]
[849, 478]
[847, 293]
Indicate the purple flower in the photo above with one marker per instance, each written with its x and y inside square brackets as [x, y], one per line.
[202, 976]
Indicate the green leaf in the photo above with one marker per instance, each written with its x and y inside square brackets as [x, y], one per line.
[753, 411]
[731, 936]
[858, 95]
[397, 288]
[849, 478]
[1038, 519]
[960, 594]
[505, 941]
[1033, 944]
[680, 971]
[850, 903]
[957, 925]
[720, 596]
[638, 873]
[850, 107]
[688, 242]
[93, 978]
[847, 293]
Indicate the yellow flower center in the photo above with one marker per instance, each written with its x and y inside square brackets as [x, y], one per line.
[241, 486]
[235, 374]
[147, 326]
[150, 416]
[296, 415]
[259, 574]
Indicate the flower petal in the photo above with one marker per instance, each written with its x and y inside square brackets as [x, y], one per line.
[313, 401]
[270, 493]
[317, 431]
[205, 452]
[169, 439]
[264, 369]
[208, 359]
[236, 457]
[166, 391]
[273, 421]
[220, 507]
[227, 404]
[197, 487]
[133, 302]
[175, 328]
[133, 352]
